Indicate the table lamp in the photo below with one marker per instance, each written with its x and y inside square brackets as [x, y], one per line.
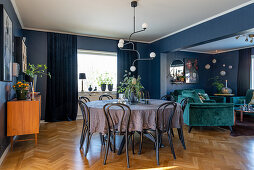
[82, 76]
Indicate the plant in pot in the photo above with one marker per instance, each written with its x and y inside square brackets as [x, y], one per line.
[21, 88]
[36, 70]
[102, 81]
[109, 82]
[131, 87]
[217, 83]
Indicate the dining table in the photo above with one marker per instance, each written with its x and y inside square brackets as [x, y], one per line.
[143, 116]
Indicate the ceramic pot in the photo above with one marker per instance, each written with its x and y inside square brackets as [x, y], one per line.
[21, 94]
[110, 87]
[103, 87]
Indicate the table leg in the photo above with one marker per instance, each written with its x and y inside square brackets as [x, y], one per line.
[241, 116]
[121, 146]
[35, 138]
[12, 143]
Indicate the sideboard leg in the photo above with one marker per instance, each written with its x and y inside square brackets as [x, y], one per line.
[12, 143]
[241, 116]
[35, 138]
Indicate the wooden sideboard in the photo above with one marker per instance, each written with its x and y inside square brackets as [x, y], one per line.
[23, 118]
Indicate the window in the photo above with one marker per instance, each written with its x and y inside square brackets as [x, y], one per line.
[95, 63]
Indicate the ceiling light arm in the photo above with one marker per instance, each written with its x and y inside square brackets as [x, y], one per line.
[132, 50]
[135, 33]
[141, 59]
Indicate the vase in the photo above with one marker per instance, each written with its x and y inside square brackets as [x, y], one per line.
[132, 98]
[103, 87]
[110, 87]
[226, 90]
[90, 88]
[21, 94]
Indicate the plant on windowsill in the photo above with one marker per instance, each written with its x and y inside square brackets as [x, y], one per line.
[21, 88]
[102, 81]
[217, 82]
[109, 80]
[131, 87]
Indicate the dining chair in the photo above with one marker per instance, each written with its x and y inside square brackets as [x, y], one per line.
[86, 99]
[165, 128]
[118, 128]
[105, 96]
[145, 94]
[167, 97]
[85, 133]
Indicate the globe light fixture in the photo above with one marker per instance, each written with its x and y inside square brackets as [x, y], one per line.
[122, 43]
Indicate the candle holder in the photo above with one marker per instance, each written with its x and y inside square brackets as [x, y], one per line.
[226, 90]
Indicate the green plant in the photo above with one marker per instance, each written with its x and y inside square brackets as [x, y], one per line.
[102, 79]
[109, 79]
[217, 82]
[130, 84]
[38, 69]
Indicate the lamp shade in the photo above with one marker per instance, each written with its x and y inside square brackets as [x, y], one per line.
[82, 75]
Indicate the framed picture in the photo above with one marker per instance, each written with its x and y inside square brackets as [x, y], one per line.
[6, 49]
[191, 70]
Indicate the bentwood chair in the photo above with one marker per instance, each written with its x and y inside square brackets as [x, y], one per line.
[105, 96]
[165, 128]
[85, 99]
[118, 128]
[167, 97]
[86, 134]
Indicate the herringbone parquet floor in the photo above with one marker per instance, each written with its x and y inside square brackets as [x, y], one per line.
[58, 149]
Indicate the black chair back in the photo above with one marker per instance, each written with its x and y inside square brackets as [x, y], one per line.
[185, 101]
[106, 96]
[85, 113]
[125, 117]
[85, 99]
[161, 109]
[168, 98]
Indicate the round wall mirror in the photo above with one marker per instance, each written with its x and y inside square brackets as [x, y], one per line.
[177, 69]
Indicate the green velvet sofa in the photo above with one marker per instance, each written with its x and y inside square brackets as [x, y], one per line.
[197, 113]
[177, 94]
[239, 100]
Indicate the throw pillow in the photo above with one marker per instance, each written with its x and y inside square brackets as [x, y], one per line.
[252, 99]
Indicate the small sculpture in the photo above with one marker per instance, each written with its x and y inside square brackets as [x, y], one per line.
[95, 89]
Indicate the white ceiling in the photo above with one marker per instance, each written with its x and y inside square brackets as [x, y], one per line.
[114, 18]
[220, 46]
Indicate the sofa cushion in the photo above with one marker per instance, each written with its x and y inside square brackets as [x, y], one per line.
[249, 95]
[192, 94]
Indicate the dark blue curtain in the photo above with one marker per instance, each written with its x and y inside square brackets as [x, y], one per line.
[243, 78]
[62, 87]
[124, 62]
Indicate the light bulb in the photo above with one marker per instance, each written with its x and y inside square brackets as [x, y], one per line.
[144, 25]
[121, 41]
[120, 45]
[133, 68]
[152, 54]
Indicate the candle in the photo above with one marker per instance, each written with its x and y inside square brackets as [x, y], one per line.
[226, 83]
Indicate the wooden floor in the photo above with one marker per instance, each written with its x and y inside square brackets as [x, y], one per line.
[58, 148]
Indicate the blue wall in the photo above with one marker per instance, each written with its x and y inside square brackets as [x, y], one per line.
[203, 59]
[219, 27]
[5, 88]
[37, 54]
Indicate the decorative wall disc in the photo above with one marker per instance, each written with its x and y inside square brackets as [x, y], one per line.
[223, 73]
[207, 66]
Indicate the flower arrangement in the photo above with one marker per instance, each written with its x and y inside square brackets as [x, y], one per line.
[21, 89]
[131, 86]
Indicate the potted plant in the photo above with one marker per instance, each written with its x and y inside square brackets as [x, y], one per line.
[109, 82]
[217, 83]
[21, 89]
[131, 87]
[102, 82]
[36, 70]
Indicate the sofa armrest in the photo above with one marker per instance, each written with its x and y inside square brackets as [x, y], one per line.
[237, 100]
[211, 105]
[218, 99]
